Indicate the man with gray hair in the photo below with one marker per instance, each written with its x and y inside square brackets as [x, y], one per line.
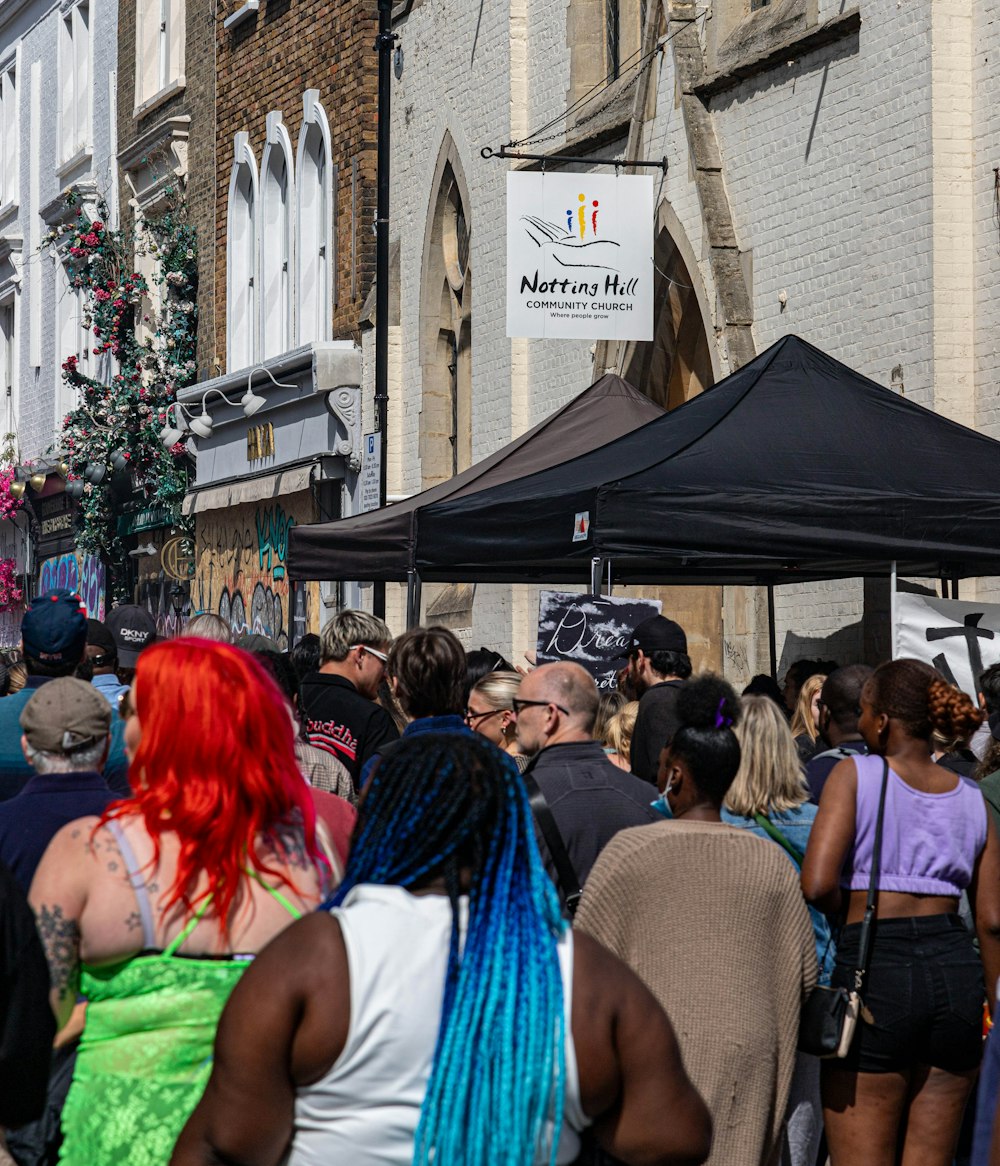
[338, 702]
[590, 799]
[66, 733]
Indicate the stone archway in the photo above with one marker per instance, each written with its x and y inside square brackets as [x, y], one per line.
[677, 364]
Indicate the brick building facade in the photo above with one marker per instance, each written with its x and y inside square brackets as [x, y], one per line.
[266, 63]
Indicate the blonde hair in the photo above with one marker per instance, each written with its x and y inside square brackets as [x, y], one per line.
[769, 778]
[18, 677]
[620, 729]
[498, 689]
[803, 721]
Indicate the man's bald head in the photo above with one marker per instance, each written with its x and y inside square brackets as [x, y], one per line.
[558, 704]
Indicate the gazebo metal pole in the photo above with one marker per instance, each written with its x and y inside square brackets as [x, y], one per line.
[772, 641]
[892, 609]
[413, 590]
[596, 571]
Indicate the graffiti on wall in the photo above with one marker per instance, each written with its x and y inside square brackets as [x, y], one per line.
[76, 572]
[241, 573]
[156, 596]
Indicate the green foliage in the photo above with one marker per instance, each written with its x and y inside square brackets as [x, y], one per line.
[135, 373]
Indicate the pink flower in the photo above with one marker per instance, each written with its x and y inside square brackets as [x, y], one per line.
[97, 225]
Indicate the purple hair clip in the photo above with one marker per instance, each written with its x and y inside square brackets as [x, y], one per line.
[721, 720]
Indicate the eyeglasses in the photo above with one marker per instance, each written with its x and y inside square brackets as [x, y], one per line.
[519, 705]
[371, 652]
[471, 717]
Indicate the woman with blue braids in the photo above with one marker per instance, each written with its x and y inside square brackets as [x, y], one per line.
[439, 1012]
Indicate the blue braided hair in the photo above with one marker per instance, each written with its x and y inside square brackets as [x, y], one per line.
[453, 805]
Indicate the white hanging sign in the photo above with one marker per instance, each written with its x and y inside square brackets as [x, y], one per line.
[580, 256]
[959, 639]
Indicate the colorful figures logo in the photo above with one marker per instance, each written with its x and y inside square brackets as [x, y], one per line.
[581, 218]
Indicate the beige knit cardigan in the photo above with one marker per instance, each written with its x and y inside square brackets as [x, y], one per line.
[713, 921]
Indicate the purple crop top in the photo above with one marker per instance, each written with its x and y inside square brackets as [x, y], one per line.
[930, 842]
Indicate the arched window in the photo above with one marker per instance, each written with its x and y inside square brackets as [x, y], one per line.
[314, 188]
[677, 364]
[241, 259]
[446, 332]
[277, 189]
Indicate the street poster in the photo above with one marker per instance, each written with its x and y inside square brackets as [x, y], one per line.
[594, 632]
[958, 638]
[371, 472]
[580, 256]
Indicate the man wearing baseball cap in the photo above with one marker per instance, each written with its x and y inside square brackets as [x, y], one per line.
[53, 636]
[66, 736]
[100, 664]
[132, 628]
[658, 666]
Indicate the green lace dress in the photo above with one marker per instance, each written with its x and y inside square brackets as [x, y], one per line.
[146, 1051]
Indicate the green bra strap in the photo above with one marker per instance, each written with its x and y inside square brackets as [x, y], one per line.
[192, 923]
[275, 894]
[195, 919]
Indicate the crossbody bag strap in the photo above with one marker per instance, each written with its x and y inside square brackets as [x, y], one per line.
[569, 884]
[865, 939]
[769, 828]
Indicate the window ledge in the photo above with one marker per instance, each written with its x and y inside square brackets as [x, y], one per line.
[779, 50]
[8, 212]
[241, 14]
[77, 162]
[160, 97]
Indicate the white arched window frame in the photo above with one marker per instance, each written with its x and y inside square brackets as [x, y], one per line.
[315, 240]
[277, 251]
[242, 344]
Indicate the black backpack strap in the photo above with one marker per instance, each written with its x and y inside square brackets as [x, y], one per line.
[569, 884]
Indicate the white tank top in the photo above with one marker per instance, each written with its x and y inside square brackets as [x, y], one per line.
[365, 1111]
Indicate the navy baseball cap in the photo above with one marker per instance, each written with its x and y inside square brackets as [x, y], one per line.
[54, 628]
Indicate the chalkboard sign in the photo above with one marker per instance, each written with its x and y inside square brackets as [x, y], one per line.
[595, 633]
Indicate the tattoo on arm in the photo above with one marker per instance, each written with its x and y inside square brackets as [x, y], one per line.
[61, 939]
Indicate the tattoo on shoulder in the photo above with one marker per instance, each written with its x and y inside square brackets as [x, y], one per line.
[289, 842]
[61, 940]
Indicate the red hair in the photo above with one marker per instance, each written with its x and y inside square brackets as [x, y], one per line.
[216, 766]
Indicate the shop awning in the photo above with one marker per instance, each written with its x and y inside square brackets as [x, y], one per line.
[259, 489]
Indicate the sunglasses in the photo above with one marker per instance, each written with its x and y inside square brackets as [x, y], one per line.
[371, 652]
[471, 717]
[519, 705]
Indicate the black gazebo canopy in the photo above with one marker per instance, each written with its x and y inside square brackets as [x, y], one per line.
[383, 544]
[793, 468]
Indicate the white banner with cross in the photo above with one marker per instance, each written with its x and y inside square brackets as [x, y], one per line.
[958, 638]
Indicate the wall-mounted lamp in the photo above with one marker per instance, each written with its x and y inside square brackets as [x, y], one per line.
[95, 472]
[37, 481]
[250, 403]
[170, 434]
[119, 461]
[17, 489]
[74, 489]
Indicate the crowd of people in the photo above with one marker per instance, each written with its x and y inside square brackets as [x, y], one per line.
[381, 899]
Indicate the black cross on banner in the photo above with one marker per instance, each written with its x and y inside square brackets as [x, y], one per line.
[972, 633]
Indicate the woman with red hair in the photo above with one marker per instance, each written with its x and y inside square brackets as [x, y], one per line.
[153, 912]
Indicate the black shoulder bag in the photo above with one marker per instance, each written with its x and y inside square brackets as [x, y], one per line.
[566, 878]
[830, 1015]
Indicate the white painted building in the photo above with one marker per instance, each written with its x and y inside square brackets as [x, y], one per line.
[830, 174]
[57, 91]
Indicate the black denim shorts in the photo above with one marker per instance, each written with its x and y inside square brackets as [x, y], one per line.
[924, 991]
